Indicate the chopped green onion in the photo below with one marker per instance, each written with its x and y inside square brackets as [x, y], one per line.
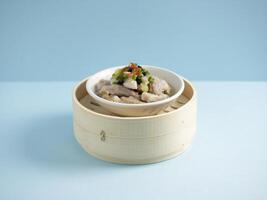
[150, 79]
[134, 77]
[138, 79]
[144, 87]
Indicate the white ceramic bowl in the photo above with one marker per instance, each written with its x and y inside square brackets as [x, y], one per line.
[145, 109]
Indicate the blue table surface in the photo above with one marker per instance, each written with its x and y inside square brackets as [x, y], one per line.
[40, 158]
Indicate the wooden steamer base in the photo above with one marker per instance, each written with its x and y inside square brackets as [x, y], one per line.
[134, 140]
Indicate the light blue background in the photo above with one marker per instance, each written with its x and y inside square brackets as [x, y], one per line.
[67, 40]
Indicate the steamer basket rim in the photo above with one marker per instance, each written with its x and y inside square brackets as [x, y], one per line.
[76, 101]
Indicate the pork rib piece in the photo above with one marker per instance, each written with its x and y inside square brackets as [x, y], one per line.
[149, 97]
[118, 90]
[160, 86]
[131, 100]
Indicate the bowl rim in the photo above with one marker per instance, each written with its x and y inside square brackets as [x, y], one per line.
[118, 104]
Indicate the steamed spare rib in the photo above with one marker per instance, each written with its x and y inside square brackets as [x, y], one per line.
[118, 90]
[131, 100]
[160, 86]
[149, 97]
[133, 84]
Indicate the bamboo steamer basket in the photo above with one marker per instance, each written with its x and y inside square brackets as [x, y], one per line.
[134, 140]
